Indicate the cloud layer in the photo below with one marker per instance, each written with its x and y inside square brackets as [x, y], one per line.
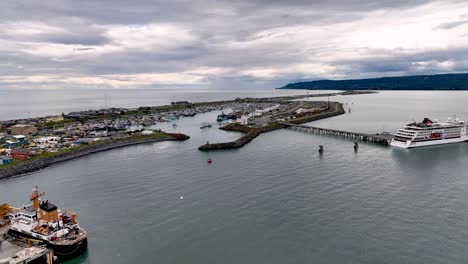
[225, 44]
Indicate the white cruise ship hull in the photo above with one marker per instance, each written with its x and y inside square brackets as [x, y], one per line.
[412, 144]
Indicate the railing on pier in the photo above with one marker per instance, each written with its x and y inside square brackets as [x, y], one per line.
[374, 138]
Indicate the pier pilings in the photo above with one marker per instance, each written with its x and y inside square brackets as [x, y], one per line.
[383, 139]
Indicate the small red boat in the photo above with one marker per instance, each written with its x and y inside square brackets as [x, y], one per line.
[210, 161]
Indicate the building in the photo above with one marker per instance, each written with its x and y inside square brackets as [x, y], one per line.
[13, 251]
[20, 154]
[21, 139]
[12, 144]
[185, 103]
[23, 130]
[4, 160]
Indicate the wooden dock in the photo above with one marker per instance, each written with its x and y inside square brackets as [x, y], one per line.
[383, 138]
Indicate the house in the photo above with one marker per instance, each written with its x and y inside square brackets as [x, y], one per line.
[18, 140]
[21, 139]
[146, 132]
[23, 130]
[12, 144]
[4, 160]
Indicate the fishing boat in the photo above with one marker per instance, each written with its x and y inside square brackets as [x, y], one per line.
[43, 221]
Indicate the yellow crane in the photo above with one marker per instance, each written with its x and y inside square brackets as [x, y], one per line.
[5, 209]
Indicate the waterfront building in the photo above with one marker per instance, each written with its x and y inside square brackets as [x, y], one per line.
[147, 132]
[23, 130]
[12, 144]
[16, 252]
[4, 160]
[21, 139]
[16, 141]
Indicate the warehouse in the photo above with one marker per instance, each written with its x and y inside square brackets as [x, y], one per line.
[23, 130]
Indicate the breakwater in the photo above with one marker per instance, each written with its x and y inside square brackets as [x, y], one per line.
[253, 132]
[37, 164]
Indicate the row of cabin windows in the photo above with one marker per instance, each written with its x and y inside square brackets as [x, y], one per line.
[404, 133]
[23, 215]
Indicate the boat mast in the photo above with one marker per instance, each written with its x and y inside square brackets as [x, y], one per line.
[34, 197]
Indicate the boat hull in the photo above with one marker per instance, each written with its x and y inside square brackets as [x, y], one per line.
[61, 251]
[64, 252]
[411, 144]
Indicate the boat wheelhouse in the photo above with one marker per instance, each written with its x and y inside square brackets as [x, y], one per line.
[428, 132]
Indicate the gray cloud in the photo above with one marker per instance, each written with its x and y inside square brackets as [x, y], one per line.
[452, 24]
[259, 43]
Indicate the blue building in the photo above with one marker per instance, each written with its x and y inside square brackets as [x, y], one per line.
[12, 144]
[18, 140]
[4, 160]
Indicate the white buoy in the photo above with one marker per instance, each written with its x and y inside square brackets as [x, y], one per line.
[181, 197]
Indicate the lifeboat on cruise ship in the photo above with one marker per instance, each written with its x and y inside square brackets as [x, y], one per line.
[436, 135]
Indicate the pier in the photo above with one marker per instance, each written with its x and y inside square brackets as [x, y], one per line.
[383, 138]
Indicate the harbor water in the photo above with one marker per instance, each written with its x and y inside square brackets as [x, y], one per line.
[276, 200]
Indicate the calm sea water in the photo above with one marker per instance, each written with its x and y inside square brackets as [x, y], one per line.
[275, 200]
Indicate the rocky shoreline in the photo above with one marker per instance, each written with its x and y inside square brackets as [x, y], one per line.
[34, 165]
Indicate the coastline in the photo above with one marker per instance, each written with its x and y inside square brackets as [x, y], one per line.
[49, 158]
[43, 162]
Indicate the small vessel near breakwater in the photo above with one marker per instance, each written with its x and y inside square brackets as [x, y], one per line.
[43, 221]
[205, 125]
[428, 133]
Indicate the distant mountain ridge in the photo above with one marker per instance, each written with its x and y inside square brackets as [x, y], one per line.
[453, 81]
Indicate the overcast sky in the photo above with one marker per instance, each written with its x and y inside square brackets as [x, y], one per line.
[225, 43]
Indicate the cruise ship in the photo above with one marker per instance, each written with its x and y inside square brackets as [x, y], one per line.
[42, 221]
[428, 133]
